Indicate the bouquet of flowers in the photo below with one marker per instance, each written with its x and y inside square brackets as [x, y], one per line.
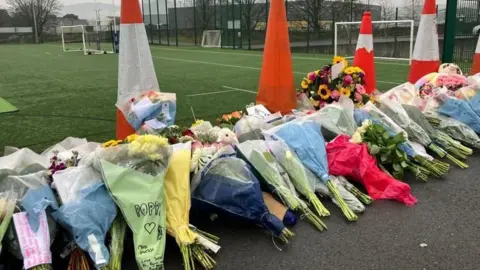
[353, 202]
[455, 129]
[177, 199]
[397, 113]
[436, 168]
[341, 180]
[354, 161]
[7, 206]
[258, 155]
[229, 120]
[154, 109]
[305, 139]
[297, 174]
[228, 185]
[134, 175]
[323, 89]
[87, 210]
[176, 134]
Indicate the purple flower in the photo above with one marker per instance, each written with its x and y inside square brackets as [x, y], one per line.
[361, 75]
[347, 80]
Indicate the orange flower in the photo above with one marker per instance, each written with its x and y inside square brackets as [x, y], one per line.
[227, 117]
[237, 114]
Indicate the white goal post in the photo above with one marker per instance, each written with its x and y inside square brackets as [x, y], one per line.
[212, 39]
[74, 29]
[79, 36]
[412, 30]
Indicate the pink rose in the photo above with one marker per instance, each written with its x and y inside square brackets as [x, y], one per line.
[360, 89]
[347, 80]
[335, 94]
[312, 76]
[358, 97]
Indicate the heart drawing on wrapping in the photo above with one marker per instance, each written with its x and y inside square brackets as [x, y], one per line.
[149, 227]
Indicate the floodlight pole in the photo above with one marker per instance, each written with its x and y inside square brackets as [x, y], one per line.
[114, 17]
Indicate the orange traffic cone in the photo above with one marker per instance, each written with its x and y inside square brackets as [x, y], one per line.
[426, 56]
[136, 72]
[276, 90]
[476, 60]
[364, 57]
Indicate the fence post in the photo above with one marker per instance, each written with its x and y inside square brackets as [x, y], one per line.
[240, 6]
[194, 21]
[233, 23]
[143, 13]
[449, 35]
[167, 18]
[176, 22]
[159, 25]
[215, 13]
[308, 32]
[395, 34]
[221, 25]
[150, 20]
[266, 15]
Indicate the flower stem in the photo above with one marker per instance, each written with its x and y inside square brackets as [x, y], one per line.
[347, 212]
[459, 163]
[364, 198]
[319, 207]
[314, 219]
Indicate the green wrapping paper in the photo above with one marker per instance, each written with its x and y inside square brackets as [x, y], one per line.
[140, 197]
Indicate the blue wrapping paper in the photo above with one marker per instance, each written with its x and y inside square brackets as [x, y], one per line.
[305, 138]
[89, 219]
[35, 201]
[462, 111]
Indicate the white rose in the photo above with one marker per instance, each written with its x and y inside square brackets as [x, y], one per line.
[356, 138]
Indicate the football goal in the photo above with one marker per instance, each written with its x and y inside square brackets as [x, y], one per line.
[81, 38]
[212, 39]
[392, 40]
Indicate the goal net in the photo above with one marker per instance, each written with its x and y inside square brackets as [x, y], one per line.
[212, 39]
[392, 40]
[82, 38]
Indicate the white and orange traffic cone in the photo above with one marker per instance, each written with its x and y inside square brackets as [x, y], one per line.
[136, 72]
[476, 60]
[426, 55]
[364, 57]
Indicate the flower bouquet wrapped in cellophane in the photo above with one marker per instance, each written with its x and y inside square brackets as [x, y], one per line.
[177, 199]
[350, 199]
[117, 233]
[258, 155]
[394, 110]
[457, 109]
[454, 128]
[134, 175]
[355, 162]
[297, 174]
[305, 139]
[7, 206]
[447, 142]
[436, 167]
[228, 185]
[87, 210]
[341, 180]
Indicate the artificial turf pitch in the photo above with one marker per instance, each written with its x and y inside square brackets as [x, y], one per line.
[69, 94]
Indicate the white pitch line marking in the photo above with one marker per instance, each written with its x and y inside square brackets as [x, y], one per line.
[238, 89]
[210, 93]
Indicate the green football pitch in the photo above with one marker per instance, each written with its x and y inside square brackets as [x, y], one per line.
[69, 94]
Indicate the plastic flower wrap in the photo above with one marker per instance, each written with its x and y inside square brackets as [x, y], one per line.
[7, 206]
[87, 210]
[155, 109]
[177, 200]
[227, 184]
[134, 175]
[441, 138]
[455, 129]
[250, 128]
[392, 108]
[364, 198]
[258, 155]
[350, 199]
[354, 161]
[337, 117]
[305, 139]
[304, 183]
[117, 233]
[459, 110]
[437, 168]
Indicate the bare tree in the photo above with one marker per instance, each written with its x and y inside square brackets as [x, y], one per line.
[206, 13]
[413, 8]
[388, 10]
[44, 9]
[310, 11]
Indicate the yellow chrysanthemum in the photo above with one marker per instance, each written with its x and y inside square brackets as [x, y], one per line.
[345, 91]
[304, 84]
[147, 145]
[324, 92]
[198, 122]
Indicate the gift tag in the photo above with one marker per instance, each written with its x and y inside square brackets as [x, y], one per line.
[155, 124]
[94, 247]
[258, 110]
[143, 108]
[208, 244]
[337, 69]
[35, 246]
[166, 111]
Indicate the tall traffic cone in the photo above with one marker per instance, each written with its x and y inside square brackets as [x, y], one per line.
[426, 56]
[276, 90]
[476, 60]
[136, 72]
[364, 57]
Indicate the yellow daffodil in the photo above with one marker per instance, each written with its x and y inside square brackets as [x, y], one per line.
[345, 91]
[131, 138]
[324, 92]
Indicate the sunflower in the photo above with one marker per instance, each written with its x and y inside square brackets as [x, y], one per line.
[304, 83]
[339, 59]
[345, 91]
[324, 92]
